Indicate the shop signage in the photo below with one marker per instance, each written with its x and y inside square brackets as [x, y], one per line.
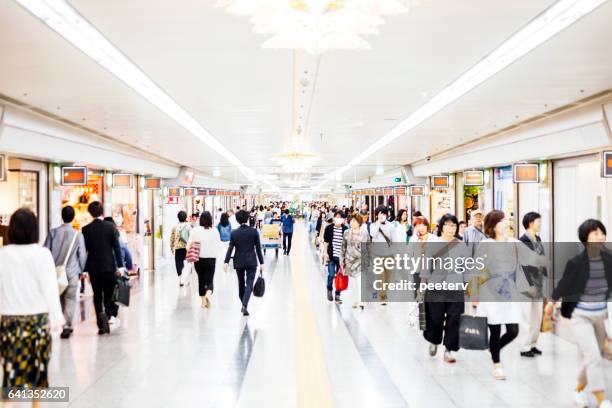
[122, 180]
[174, 192]
[439, 181]
[153, 183]
[417, 191]
[370, 192]
[379, 191]
[74, 176]
[388, 191]
[190, 192]
[606, 164]
[202, 191]
[526, 173]
[172, 200]
[473, 178]
[212, 192]
[3, 175]
[400, 191]
[397, 180]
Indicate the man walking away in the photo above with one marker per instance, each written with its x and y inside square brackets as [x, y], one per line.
[103, 250]
[245, 240]
[68, 246]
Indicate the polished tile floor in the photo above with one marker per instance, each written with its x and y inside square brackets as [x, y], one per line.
[296, 349]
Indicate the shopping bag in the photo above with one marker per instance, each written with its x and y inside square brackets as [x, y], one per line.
[473, 333]
[609, 322]
[260, 286]
[121, 294]
[193, 252]
[185, 277]
[420, 298]
[341, 280]
[422, 316]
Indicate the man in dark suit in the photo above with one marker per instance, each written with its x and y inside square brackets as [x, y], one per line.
[103, 253]
[248, 250]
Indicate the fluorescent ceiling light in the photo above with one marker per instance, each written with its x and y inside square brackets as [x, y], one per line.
[68, 23]
[545, 26]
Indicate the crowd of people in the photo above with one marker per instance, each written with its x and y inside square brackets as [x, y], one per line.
[33, 302]
[584, 288]
[197, 242]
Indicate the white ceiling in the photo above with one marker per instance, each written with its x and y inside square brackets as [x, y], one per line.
[212, 65]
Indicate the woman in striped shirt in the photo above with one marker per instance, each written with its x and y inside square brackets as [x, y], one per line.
[585, 290]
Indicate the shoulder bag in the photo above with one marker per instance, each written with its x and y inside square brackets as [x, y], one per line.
[62, 278]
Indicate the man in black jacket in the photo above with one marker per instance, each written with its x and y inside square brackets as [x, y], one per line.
[103, 250]
[245, 240]
[532, 222]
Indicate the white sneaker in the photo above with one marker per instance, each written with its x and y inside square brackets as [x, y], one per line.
[114, 321]
[581, 398]
[498, 373]
[448, 357]
[605, 404]
[433, 349]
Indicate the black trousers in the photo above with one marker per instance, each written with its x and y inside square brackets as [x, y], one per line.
[103, 285]
[205, 268]
[443, 319]
[179, 259]
[246, 278]
[497, 342]
[287, 241]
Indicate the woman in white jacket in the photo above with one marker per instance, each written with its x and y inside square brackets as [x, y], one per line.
[29, 305]
[210, 243]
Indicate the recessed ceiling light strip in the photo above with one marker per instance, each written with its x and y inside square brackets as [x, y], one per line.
[546, 25]
[68, 23]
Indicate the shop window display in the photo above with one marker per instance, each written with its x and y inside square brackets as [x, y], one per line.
[18, 191]
[503, 190]
[79, 197]
[125, 215]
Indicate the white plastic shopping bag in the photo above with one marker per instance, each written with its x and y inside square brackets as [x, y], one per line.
[187, 271]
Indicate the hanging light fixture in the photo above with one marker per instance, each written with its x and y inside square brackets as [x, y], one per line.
[316, 26]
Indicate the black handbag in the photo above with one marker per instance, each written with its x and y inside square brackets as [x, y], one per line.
[473, 333]
[260, 286]
[121, 294]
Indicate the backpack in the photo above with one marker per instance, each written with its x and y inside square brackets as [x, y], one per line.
[183, 234]
[225, 233]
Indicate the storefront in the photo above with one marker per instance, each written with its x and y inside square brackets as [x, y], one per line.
[473, 192]
[22, 184]
[151, 210]
[580, 193]
[504, 196]
[442, 198]
[124, 199]
[537, 197]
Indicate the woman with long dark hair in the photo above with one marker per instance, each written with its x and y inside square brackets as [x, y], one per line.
[29, 305]
[210, 243]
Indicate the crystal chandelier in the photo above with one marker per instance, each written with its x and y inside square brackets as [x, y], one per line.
[296, 162]
[316, 26]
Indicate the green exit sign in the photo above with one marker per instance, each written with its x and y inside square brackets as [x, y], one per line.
[397, 179]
